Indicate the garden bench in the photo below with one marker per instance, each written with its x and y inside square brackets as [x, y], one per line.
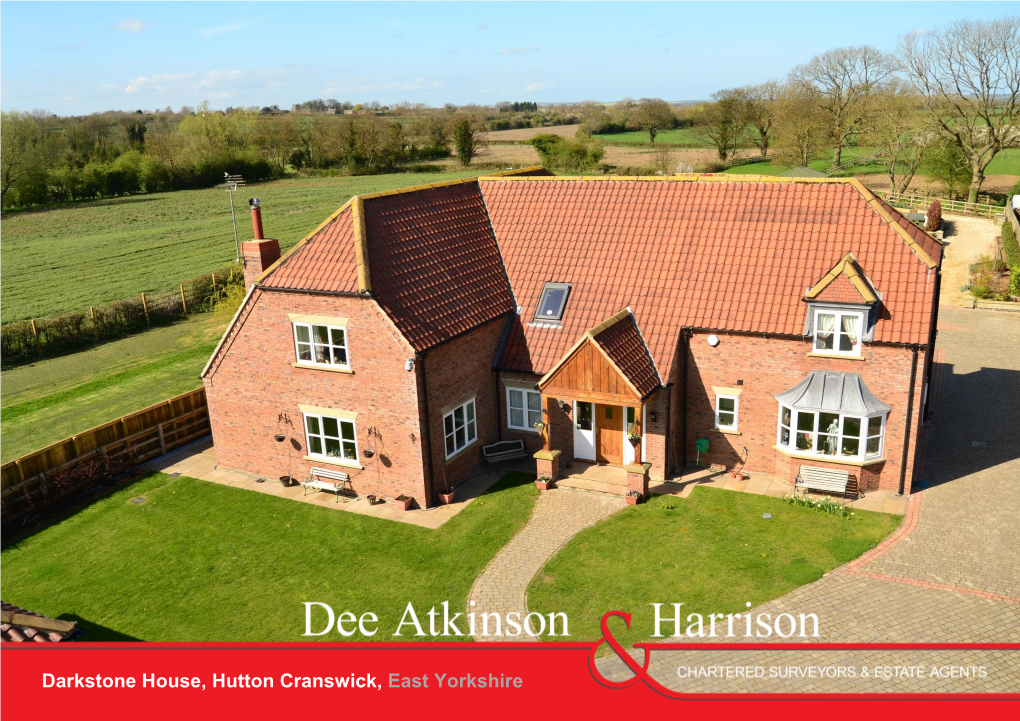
[504, 451]
[323, 479]
[830, 480]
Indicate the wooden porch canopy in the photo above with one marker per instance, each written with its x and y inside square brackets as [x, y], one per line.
[609, 364]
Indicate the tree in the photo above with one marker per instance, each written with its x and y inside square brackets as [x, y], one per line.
[19, 149]
[947, 164]
[968, 76]
[900, 129]
[722, 122]
[465, 140]
[578, 155]
[843, 80]
[760, 102]
[593, 116]
[800, 124]
[653, 115]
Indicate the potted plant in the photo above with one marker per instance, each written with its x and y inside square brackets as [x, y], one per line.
[403, 502]
[633, 434]
[285, 481]
[633, 497]
[372, 500]
[446, 497]
[539, 426]
[544, 483]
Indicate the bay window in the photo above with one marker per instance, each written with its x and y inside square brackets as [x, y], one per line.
[524, 408]
[831, 434]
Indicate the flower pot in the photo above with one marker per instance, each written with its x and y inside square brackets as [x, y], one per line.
[372, 500]
[285, 481]
[544, 485]
[734, 474]
[447, 498]
[403, 502]
[634, 441]
[633, 500]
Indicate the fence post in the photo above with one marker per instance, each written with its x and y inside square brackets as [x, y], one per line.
[184, 302]
[214, 282]
[95, 325]
[162, 441]
[35, 334]
[145, 307]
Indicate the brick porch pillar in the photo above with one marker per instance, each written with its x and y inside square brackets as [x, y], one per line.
[637, 478]
[548, 463]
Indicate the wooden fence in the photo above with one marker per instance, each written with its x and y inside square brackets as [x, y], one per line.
[921, 202]
[42, 480]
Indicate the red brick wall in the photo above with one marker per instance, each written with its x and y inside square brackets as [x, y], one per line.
[253, 381]
[452, 371]
[770, 366]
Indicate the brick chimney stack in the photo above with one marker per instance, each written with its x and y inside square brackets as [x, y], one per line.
[259, 253]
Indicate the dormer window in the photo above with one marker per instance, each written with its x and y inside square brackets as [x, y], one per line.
[838, 332]
[552, 303]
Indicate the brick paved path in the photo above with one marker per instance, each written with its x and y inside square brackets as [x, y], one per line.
[951, 574]
[559, 515]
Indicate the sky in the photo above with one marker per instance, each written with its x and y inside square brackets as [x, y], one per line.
[82, 57]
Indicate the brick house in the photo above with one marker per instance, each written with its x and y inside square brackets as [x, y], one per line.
[606, 320]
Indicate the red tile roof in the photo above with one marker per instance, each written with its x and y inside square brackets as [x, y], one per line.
[623, 343]
[433, 261]
[20, 626]
[736, 255]
[731, 253]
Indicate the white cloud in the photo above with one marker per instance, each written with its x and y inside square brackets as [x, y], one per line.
[224, 29]
[210, 84]
[539, 86]
[518, 51]
[132, 25]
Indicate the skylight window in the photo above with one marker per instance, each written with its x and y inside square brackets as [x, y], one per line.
[552, 303]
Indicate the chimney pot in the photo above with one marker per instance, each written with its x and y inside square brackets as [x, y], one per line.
[259, 253]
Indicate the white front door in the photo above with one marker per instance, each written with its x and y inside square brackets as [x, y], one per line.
[584, 431]
[628, 447]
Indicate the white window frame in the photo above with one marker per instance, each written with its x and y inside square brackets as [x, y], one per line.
[312, 344]
[815, 451]
[322, 437]
[468, 424]
[838, 332]
[736, 412]
[525, 410]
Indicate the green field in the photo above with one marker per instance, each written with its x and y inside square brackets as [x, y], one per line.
[197, 561]
[51, 399]
[68, 258]
[679, 136]
[713, 552]
[1006, 162]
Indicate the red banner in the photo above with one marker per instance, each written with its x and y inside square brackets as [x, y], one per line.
[495, 680]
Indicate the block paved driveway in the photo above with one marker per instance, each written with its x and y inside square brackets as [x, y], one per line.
[950, 574]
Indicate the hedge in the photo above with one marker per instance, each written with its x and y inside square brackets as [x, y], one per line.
[73, 331]
[1010, 244]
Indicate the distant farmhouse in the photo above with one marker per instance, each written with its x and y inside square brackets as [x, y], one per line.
[640, 323]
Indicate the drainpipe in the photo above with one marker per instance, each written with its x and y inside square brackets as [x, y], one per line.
[669, 439]
[683, 441]
[910, 413]
[495, 393]
[427, 440]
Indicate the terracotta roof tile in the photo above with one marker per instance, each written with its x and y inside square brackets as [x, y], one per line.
[623, 343]
[721, 255]
[20, 626]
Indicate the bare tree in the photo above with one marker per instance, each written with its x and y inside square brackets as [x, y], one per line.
[968, 76]
[843, 80]
[901, 129]
[593, 116]
[653, 115]
[800, 124]
[760, 104]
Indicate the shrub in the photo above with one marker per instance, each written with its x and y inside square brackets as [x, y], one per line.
[934, 217]
[1010, 245]
[578, 155]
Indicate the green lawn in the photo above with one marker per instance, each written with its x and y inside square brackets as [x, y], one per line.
[51, 399]
[198, 561]
[712, 552]
[1006, 162]
[68, 258]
